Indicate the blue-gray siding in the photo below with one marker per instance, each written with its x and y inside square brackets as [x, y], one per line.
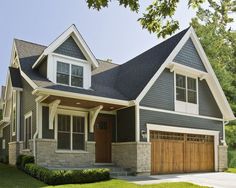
[27, 105]
[161, 95]
[4, 152]
[168, 119]
[207, 103]
[46, 132]
[189, 56]
[70, 48]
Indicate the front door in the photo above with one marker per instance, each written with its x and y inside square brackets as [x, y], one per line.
[103, 139]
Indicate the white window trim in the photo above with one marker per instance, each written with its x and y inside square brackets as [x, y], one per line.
[14, 122]
[71, 114]
[156, 127]
[27, 115]
[181, 106]
[52, 72]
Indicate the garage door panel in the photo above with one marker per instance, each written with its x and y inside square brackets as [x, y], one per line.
[176, 152]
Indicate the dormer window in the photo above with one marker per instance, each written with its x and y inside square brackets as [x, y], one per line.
[68, 74]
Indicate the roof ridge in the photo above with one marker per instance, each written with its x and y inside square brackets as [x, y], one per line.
[15, 39]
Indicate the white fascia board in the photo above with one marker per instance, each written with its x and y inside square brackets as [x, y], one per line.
[71, 31]
[47, 91]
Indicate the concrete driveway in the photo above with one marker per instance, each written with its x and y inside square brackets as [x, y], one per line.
[216, 180]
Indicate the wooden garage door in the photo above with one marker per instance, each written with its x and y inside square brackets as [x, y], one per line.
[178, 152]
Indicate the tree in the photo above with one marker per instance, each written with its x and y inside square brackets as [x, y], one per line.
[219, 43]
[158, 17]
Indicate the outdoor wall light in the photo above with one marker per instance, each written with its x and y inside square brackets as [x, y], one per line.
[144, 133]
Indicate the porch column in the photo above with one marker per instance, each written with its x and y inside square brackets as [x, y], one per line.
[52, 112]
[93, 116]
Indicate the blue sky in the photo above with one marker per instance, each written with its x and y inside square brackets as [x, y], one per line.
[112, 33]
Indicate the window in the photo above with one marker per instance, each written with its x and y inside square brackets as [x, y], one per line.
[69, 74]
[183, 93]
[3, 144]
[14, 114]
[63, 73]
[28, 130]
[71, 132]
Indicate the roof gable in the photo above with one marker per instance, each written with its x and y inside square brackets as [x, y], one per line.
[78, 39]
[70, 48]
[189, 56]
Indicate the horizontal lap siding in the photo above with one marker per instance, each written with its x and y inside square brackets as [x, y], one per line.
[161, 94]
[188, 56]
[27, 104]
[70, 48]
[161, 118]
[46, 132]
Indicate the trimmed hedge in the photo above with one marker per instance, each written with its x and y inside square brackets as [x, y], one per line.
[22, 160]
[59, 177]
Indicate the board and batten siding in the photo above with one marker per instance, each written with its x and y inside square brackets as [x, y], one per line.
[161, 118]
[71, 49]
[161, 96]
[189, 56]
[126, 125]
[28, 104]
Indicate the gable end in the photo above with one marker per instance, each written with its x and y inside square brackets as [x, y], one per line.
[70, 48]
[189, 56]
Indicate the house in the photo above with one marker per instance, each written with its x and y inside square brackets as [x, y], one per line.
[163, 111]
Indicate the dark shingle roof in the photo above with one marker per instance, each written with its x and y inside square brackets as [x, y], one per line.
[15, 77]
[123, 82]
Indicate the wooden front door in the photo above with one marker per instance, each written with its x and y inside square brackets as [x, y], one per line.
[103, 139]
[179, 152]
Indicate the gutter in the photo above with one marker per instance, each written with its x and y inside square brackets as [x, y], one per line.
[224, 124]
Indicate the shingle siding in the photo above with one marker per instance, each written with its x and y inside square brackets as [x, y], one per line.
[161, 118]
[161, 94]
[43, 68]
[126, 125]
[70, 48]
[189, 56]
[27, 105]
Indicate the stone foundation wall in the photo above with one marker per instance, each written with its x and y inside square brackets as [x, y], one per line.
[49, 156]
[223, 158]
[133, 156]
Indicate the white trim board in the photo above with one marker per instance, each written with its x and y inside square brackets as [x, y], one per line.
[178, 113]
[211, 78]
[164, 128]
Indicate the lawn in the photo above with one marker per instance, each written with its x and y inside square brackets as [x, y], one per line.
[10, 177]
[231, 170]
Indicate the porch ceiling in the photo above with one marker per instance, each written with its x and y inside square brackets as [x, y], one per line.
[78, 103]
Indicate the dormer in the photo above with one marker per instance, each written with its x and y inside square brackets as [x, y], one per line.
[68, 60]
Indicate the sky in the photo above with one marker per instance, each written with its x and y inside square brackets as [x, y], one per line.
[112, 33]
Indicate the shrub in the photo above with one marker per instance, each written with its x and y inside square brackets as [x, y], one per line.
[22, 160]
[232, 158]
[58, 177]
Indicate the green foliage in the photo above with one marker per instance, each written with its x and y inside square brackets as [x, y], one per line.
[232, 158]
[230, 132]
[22, 160]
[59, 177]
[158, 17]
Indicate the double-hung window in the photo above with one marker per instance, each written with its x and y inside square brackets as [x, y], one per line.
[28, 130]
[69, 74]
[70, 132]
[186, 94]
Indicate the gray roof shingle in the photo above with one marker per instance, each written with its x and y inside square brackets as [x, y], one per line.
[123, 82]
[15, 77]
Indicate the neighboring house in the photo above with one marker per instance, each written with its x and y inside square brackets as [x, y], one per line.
[163, 111]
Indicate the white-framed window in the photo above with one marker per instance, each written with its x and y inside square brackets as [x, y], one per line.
[3, 144]
[14, 113]
[71, 132]
[69, 74]
[186, 94]
[27, 129]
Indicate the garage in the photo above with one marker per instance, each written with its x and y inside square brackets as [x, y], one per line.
[180, 152]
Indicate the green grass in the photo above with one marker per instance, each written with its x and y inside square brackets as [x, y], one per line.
[10, 177]
[231, 170]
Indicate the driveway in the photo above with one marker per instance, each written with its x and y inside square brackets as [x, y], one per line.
[216, 180]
